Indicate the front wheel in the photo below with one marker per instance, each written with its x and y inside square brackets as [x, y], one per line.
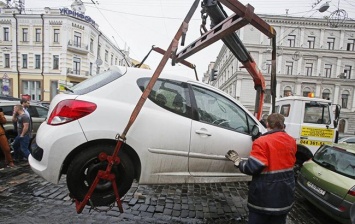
[84, 167]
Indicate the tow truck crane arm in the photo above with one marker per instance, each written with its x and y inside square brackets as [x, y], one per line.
[224, 28]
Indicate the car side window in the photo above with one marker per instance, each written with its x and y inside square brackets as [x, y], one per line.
[218, 110]
[42, 112]
[170, 95]
[8, 110]
[285, 110]
[32, 111]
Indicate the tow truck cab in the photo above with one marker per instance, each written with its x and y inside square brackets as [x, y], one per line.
[311, 121]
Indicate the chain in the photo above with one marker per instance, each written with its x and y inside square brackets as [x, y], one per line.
[95, 208]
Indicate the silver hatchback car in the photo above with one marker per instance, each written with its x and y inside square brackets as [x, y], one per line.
[37, 112]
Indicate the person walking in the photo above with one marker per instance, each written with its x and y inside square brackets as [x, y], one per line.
[22, 140]
[26, 104]
[272, 188]
[4, 144]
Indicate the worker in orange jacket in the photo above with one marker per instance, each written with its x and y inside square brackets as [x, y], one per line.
[271, 162]
[4, 144]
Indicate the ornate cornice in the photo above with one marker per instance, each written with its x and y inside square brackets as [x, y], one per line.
[300, 21]
[5, 21]
[54, 22]
[78, 26]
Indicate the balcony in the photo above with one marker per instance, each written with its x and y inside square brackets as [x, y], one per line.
[78, 74]
[77, 47]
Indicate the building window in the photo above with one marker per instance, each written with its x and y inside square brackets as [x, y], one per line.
[111, 59]
[91, 45]
[291, 40]
[328, 70]
[55, 61]
[76, 66]
[37, 61]
[115, 61]
[267, 65]
[7, 60]
[6, 34]
[54, 89]
[267, 98]
[56, 36]
[289, 67]
[90, 72]
[77, 39]
[24, 61]
[311, 41]
[32, 88]
[347, 71]
[309, 68]
[344, 100]
[24, 34]
[106, 55]
[326, 94]
[38, 35]
[306, 91]
[330, 42]
[350, 45]
[287, 91]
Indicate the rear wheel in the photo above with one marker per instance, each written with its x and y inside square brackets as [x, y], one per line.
[84, 167]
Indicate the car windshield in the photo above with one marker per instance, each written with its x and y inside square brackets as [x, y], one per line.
[94, 82]
[337, 160]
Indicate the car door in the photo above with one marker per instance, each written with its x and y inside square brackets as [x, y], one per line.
[168, 115]
[38, 115]
[221, 125]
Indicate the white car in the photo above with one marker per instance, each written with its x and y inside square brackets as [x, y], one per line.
[181, 134]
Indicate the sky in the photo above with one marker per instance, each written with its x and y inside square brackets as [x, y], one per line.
[139, 24]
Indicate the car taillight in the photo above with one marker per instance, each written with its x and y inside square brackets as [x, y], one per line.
[352, 191]
[69, 110]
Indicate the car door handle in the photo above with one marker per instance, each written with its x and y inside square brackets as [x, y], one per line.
[203, 131]
[303, 137]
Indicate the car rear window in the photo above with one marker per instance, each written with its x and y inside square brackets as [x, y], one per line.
[94, 82]
[337, 160]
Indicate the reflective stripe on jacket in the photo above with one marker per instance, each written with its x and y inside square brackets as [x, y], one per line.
[271, 162]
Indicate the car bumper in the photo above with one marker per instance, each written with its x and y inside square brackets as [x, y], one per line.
[342, 215]
[55, 143]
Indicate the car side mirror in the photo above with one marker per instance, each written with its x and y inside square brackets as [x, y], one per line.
[255, 132]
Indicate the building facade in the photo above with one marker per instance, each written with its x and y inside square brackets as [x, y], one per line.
[314, 55]
[40, 53]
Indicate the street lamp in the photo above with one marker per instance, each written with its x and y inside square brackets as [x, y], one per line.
[324, 7]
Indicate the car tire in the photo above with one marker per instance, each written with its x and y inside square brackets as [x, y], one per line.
[83, 169]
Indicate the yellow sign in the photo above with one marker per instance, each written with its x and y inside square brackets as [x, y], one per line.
[317, 132]
[312, 142]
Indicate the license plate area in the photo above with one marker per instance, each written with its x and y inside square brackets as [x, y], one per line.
[315, 188]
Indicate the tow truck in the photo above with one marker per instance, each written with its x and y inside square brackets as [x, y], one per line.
[311, 121]
[222, 28]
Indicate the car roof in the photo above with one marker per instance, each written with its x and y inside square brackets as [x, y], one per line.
[13, 103]
[132, 71]
[173, 75]
[303, 99]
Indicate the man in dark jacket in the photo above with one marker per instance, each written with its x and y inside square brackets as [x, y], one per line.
[271, 161]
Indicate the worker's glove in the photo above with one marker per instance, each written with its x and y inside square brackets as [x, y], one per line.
[234, 157]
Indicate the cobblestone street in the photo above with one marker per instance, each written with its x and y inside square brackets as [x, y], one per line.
[27, 198]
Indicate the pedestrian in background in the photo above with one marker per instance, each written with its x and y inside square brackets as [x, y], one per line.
[271, 161]
[22, 140]
[4, 144]
[26, 104]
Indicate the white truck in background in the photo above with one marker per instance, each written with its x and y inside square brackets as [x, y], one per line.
[311, 121]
